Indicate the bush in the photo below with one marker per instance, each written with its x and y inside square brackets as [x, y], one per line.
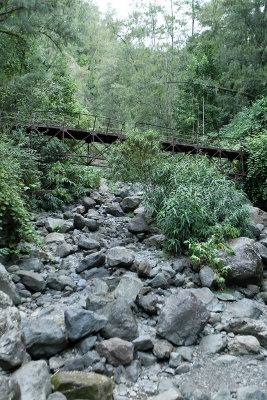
[190, 200]
[136, 158]
[17, 176]
[256, 180]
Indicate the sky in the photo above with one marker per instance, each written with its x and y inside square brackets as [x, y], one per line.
[121, 6]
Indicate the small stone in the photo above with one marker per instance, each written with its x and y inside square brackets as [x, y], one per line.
[120, 257]
[143, 343]
[162, 349]
[207, 277]
[32, 280]
[183, 368]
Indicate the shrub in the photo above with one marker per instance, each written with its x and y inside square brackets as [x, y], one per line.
[134, 159]
[17, 176]
[256, 180]
[190, 200]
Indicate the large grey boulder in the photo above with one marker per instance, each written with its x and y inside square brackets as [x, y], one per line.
[117, 351]
[91, 261]
[138, 224]
[114, 209]
[54, 224]
[244, 345]
[59, 282]
[80, 222]
[44, 338]
[80, 323]
[31, 264]
[34, 380]
[207, 277]
[88, 203]
[83, 385]
[248, 326]
[54, 237]
[7, 285]
[244, 308]
[88, 243]
[182, 318]
[246, 265]
[12, 340]
[9, 389]
[121, 321]
[130, 203]
[128, 288]
[32, 280]
[212, 344]
[120, 257]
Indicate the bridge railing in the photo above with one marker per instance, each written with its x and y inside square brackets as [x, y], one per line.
[96, 123]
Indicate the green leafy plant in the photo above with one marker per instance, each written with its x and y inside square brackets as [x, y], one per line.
[135, 159]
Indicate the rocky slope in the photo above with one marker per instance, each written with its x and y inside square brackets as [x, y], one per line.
[100, 311]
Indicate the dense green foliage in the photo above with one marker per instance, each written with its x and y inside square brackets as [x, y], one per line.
[137, 157]
[195, 67]
[32, 180]
[190, 200]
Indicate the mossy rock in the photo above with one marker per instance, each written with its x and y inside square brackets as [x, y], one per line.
[83, 385]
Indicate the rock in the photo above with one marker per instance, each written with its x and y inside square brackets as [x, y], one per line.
[120, 257]
[183, 368]
[31, 264]
[12, 341]
[64, 250]
[9, 389]
[91, 261]
[175, 360]
[161, 280]
[83, 385]
[59, 282]
[258, 216]
[207, 277]
[171, 394]
[162, 349]
[57, 396]
[121, 321]
[262, 250]
[143, 343]
[251, 393]
[144, 269]
[115, 210]
[88, 203]
[86, 344]
[116, 351]
[245, 308]
[148, 303]
[155, 241]
[223, 394]
[212, 344]
[132, 372]
[146, 359]
[80, 323]
[7, 285]
[54, 224]
[88, 243]
[130, 203]
[67, 226]
[128, 288]
[80, 222]
[44, 338]
[186, 353]
[182, 318]
[247, 326]
[34, 380]
[32, 280]
[54, 238]
[244, 345]
[138, 224]
[246, 265]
